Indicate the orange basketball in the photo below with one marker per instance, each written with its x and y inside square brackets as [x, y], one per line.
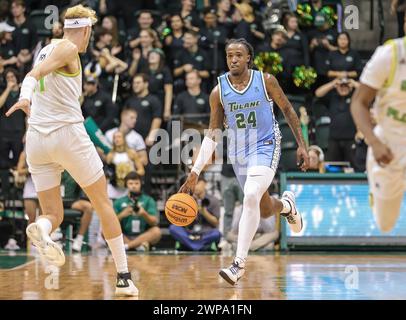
[181, 209]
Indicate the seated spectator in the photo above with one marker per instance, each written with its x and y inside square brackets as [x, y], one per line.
[192, 101]
[264, 238]
[122, 160]
[344, 62]
[138, 216]
[316, 159]
[398, 8]
[133, 139]
[246, 25]
[203, 233]
[12, 128]
[160, 81]
[173, 42]
[148, 41]
[8, 50]
[24, 35]
[191, 58]
[31, 205]
[57, 33]
[148, 108]
[336, 95]
[98, 105]
[83, 205]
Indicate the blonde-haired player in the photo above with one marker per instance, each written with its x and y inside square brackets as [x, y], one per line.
[384, 79]
[57, 140]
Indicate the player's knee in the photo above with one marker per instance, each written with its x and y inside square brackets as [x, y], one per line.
[251, 197]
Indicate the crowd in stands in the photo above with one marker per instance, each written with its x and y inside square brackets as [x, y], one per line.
[151, 61]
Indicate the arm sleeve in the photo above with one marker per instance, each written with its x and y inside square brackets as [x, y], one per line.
[378, 68]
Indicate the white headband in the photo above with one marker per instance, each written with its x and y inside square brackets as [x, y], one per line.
[78, 23]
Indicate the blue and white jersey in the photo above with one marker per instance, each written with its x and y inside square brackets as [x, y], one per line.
[254, 136]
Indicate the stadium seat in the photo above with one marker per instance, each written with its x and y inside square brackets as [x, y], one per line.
[287, 134]
[288, 157]
[323, 132]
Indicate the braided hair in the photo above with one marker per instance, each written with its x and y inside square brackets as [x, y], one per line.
[247, 45]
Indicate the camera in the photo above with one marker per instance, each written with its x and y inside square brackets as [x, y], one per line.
[134, 200]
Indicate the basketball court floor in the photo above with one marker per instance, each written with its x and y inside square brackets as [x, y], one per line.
[304, 276]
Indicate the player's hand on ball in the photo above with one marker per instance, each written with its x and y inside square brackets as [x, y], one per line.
[23, 104]
[303, 160]
[190, 184]
[382, 153]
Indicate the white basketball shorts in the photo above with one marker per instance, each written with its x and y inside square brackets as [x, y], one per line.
[68, 148]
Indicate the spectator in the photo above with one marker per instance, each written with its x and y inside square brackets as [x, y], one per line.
[110, 24]
[191, 58]
[133, 139]
[316, 159]
[213, 39]
[12, 128]
[224, 15]
[344, 62]
[160, 80]
[174, 41]
[189, 15]
[85, 207]
[148, 108]
[125, 8]
[322, 42]
[245, 25]
[264, 238]
[296, 45]
[98, 105]
[30, 197]
[398, 7]
[337, 97]
[8, 51]
[138, 215]
[25, 33]
[145, 22]
[148, 41]
[4, 10]
[203, 233]
[192, 101]
[123, 159]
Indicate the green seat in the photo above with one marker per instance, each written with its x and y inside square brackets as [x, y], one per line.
[323, 132]
[288, 157]
[287, 134]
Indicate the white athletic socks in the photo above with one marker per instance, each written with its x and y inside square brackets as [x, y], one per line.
[117, 249]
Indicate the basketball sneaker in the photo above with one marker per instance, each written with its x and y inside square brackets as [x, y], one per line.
[294, 217]
[48, 249]
[234, 272]
[125, 286]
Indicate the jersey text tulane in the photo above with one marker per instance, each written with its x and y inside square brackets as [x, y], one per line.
[252, 129]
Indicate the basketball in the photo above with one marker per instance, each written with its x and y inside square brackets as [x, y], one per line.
[181, 209]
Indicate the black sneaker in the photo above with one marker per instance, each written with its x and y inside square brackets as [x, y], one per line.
[125, 286]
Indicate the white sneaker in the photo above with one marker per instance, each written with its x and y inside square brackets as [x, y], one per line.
[234, 272]
[125, 286]
[77, 245]
[294, 217]
[47, 248]
[12, 245]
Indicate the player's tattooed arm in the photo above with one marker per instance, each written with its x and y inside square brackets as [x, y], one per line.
[275, 92]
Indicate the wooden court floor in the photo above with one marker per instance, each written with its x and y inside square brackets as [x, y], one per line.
[322, 276]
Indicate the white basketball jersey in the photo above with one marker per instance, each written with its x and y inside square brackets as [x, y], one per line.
[55, 102]
[390, 104]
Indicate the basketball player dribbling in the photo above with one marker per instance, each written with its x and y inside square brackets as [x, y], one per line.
[244, 98]
[57, 140]
[384, 79]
